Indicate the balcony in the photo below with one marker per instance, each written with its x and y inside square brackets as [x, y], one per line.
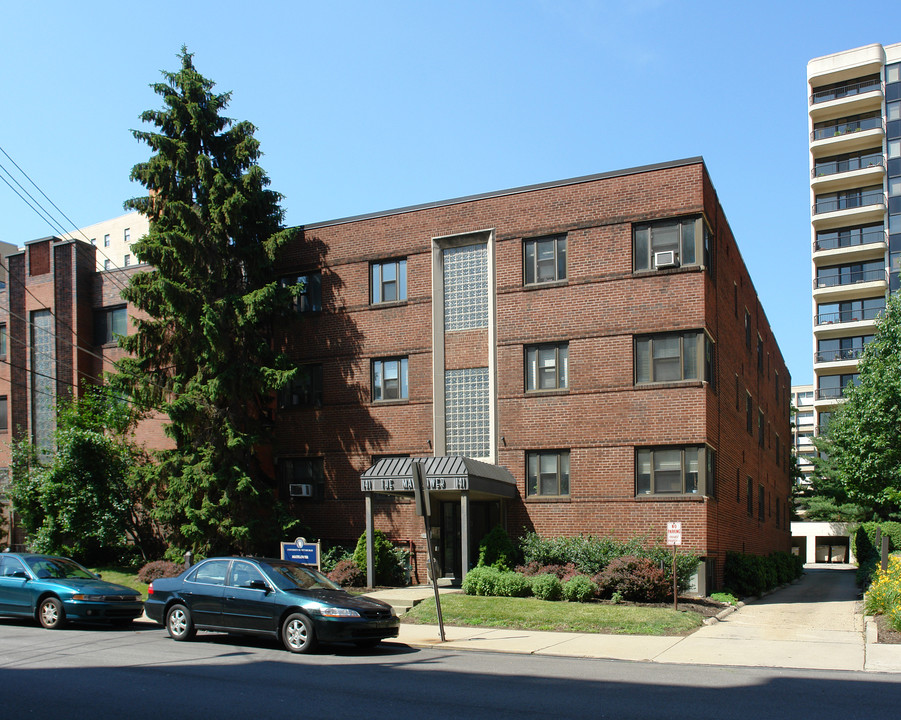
[854, 206]
[848, 316]
[850, 285]
[848, 171]
[847, 134]
[839, 355]
[856, 96]
[847, 126]
[829, 394]
[850, 277]
[845, 248]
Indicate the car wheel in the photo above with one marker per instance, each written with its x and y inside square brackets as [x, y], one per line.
[51, 614]
[179, 623]
[298, 634]
[367, 644]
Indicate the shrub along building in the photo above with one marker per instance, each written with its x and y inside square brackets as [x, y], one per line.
[581, 356]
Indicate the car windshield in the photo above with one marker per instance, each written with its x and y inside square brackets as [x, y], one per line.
[57, 568]
[289, 575]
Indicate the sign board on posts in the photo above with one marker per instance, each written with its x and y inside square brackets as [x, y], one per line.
[306, 553]
[674, 533]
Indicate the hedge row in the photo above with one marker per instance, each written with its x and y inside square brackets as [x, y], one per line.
[868, 551]
[748, 575]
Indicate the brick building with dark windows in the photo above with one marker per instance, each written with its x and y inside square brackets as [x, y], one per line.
[582, 356]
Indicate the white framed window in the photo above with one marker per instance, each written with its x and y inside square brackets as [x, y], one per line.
[547, 366]
[547, 473]
[389, 379]
[126, 235]
[388, 281]
[107, 264]
[544, 259]
[106, 240]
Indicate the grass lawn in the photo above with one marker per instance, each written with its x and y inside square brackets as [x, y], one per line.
[120, 576]
[534, 614]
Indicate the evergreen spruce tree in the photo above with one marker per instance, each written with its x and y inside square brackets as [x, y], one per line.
[205, 353]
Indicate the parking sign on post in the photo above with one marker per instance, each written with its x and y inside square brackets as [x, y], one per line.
[674, 533]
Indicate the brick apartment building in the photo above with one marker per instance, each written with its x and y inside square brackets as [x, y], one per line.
[581, 356]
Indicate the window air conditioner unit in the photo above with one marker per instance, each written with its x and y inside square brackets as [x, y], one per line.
[665, 259]
[300, 490]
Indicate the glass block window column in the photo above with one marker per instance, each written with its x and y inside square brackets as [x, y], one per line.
[465, 287]
[43, 391]
[467, 408]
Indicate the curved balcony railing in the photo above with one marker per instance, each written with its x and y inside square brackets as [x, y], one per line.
[847, 316]
[848, 202]
[839, 239]
[845, 90]
[860, 162]
[840, 355]
[849, 278]
[847, 127]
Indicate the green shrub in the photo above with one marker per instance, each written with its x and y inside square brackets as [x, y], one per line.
[865, 549]
[388, 568]
[579, 589]
[512, 584]
[497, 549]
[481, 581]
[547, 587]
[332, 556]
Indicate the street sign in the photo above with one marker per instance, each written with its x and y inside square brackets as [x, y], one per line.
[674, 533]
[305, 552]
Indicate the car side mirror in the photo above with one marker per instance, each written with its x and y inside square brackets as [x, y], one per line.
[21, 574]
[259, 585]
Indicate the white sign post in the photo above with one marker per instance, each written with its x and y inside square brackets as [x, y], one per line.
[674, 538]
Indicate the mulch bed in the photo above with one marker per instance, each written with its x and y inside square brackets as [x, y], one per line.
[701, 605]
[885, 634]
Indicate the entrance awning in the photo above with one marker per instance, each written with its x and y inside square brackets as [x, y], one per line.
[446, 477]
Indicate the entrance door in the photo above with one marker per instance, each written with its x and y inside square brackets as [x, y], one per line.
[451, 566]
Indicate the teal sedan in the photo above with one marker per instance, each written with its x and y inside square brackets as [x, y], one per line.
[54, 590]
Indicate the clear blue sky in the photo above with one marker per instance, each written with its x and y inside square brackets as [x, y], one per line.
[366, 106]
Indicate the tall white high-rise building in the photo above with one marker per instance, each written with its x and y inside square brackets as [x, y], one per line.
[855, 194]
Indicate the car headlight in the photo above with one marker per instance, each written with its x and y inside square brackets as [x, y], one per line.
[89, 598]
[339, 612]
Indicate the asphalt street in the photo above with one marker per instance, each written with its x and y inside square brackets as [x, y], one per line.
[140, 673]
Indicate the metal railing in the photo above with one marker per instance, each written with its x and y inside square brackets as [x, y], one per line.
[840, 355]
[848, 202]
[844, 90]
[830, 393]
[845, 239]
[860, 162]
[846, 316]
[847, 127]
[849, 278]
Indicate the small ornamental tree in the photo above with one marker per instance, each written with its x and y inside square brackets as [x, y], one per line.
[204, 350]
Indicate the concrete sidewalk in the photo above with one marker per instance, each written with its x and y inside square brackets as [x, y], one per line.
[815, 623]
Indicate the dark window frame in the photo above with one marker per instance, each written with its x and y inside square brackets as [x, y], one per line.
[647, 483]
[305, 390]
[560, 367]
[378, 285]
[646, 364]
[309, 300]
[106, 320]
[533, 263]
[380, 387]
[537, 480]
[307, 470]
[691, 249]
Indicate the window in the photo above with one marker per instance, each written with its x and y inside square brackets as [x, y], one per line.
[673, 470]
[544, 259]
[109, 323]
[388, 281]
[309, 297]
[777, 512]
[761, 503]
[778, 450]
[243, 574]
[106, 241]
[749, 497]
[126, 235]
[747, 330]
[850, 310]
[872, 271]
[670, 243]
[126, 261]
[749, 413]
[212, 572]
[4, 417]
[759, 354]
[2, 339]
[760, 428]
[107, 264]
[547, 367]
[389, 379]
[673, 357]
[547, 473]
[93, 241]
[302, 471]
[305, 390]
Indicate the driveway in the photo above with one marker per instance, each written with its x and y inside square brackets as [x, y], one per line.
[815, 623]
